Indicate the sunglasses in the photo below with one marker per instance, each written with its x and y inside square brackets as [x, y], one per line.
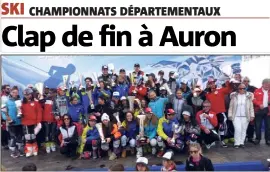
[193, 152]
[241, 88]
[171, 114]
[246, 81]
[66, 119]
[206, 106]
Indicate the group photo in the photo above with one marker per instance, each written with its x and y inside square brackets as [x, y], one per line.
[135, 113]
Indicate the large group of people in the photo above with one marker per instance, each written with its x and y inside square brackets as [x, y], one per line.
[120, 115]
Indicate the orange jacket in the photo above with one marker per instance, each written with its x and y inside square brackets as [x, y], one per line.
[217, 98]
[32, 113]
[115, 132]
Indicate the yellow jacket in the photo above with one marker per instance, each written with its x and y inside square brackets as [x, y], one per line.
[160, 128]
[85, 130]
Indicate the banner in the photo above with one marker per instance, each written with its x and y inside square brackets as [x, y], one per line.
[141, 27]
[24, 70]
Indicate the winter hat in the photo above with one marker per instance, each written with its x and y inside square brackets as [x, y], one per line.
[142, 160]
[105, 117]
[186, 113]
[168, 155]
[28, 91]
[123, 98]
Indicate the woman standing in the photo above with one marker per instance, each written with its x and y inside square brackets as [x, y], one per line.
[196, 161]
[14, 124]
[31, 118]
[69, 141]
[241, 112]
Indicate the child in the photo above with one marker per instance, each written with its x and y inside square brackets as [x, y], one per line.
[141, 164]
[150, 131]
[49, 124]
[168, 163]
[90, 139]
[32, 116]
[196, 161]
[130, 130]
[76, 111]
[111, 136]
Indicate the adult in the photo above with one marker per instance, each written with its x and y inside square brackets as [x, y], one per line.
[101, 108]
[14, 124]
[60, 105]
[138, 89]
[173, 85]
[207, 120]
[185, 89]
[196, 99]
[122, 73]
[137, 71]
[196, 161]
[101, 90]
[122, 87]
[70, 138]
[106, 77]
[251, 125]
[241, 112]
[157, 104]
[262, 105]
[217, 99]
[161, 82]
[151, 83]
[166, 136]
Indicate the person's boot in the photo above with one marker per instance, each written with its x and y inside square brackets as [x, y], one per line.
[48, 147]
[132, 151]
[154, 151]
[113, 156]
[28, 150]
[109, 153]
[124, 153]
[14, 152]
[53, 146]
[35, 149]
[95, 156]
[139, 152]
[20, 149]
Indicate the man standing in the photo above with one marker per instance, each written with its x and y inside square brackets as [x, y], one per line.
[217, 99]
[89, 91]
[262, 105]
[105, 77]
[251, 125]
